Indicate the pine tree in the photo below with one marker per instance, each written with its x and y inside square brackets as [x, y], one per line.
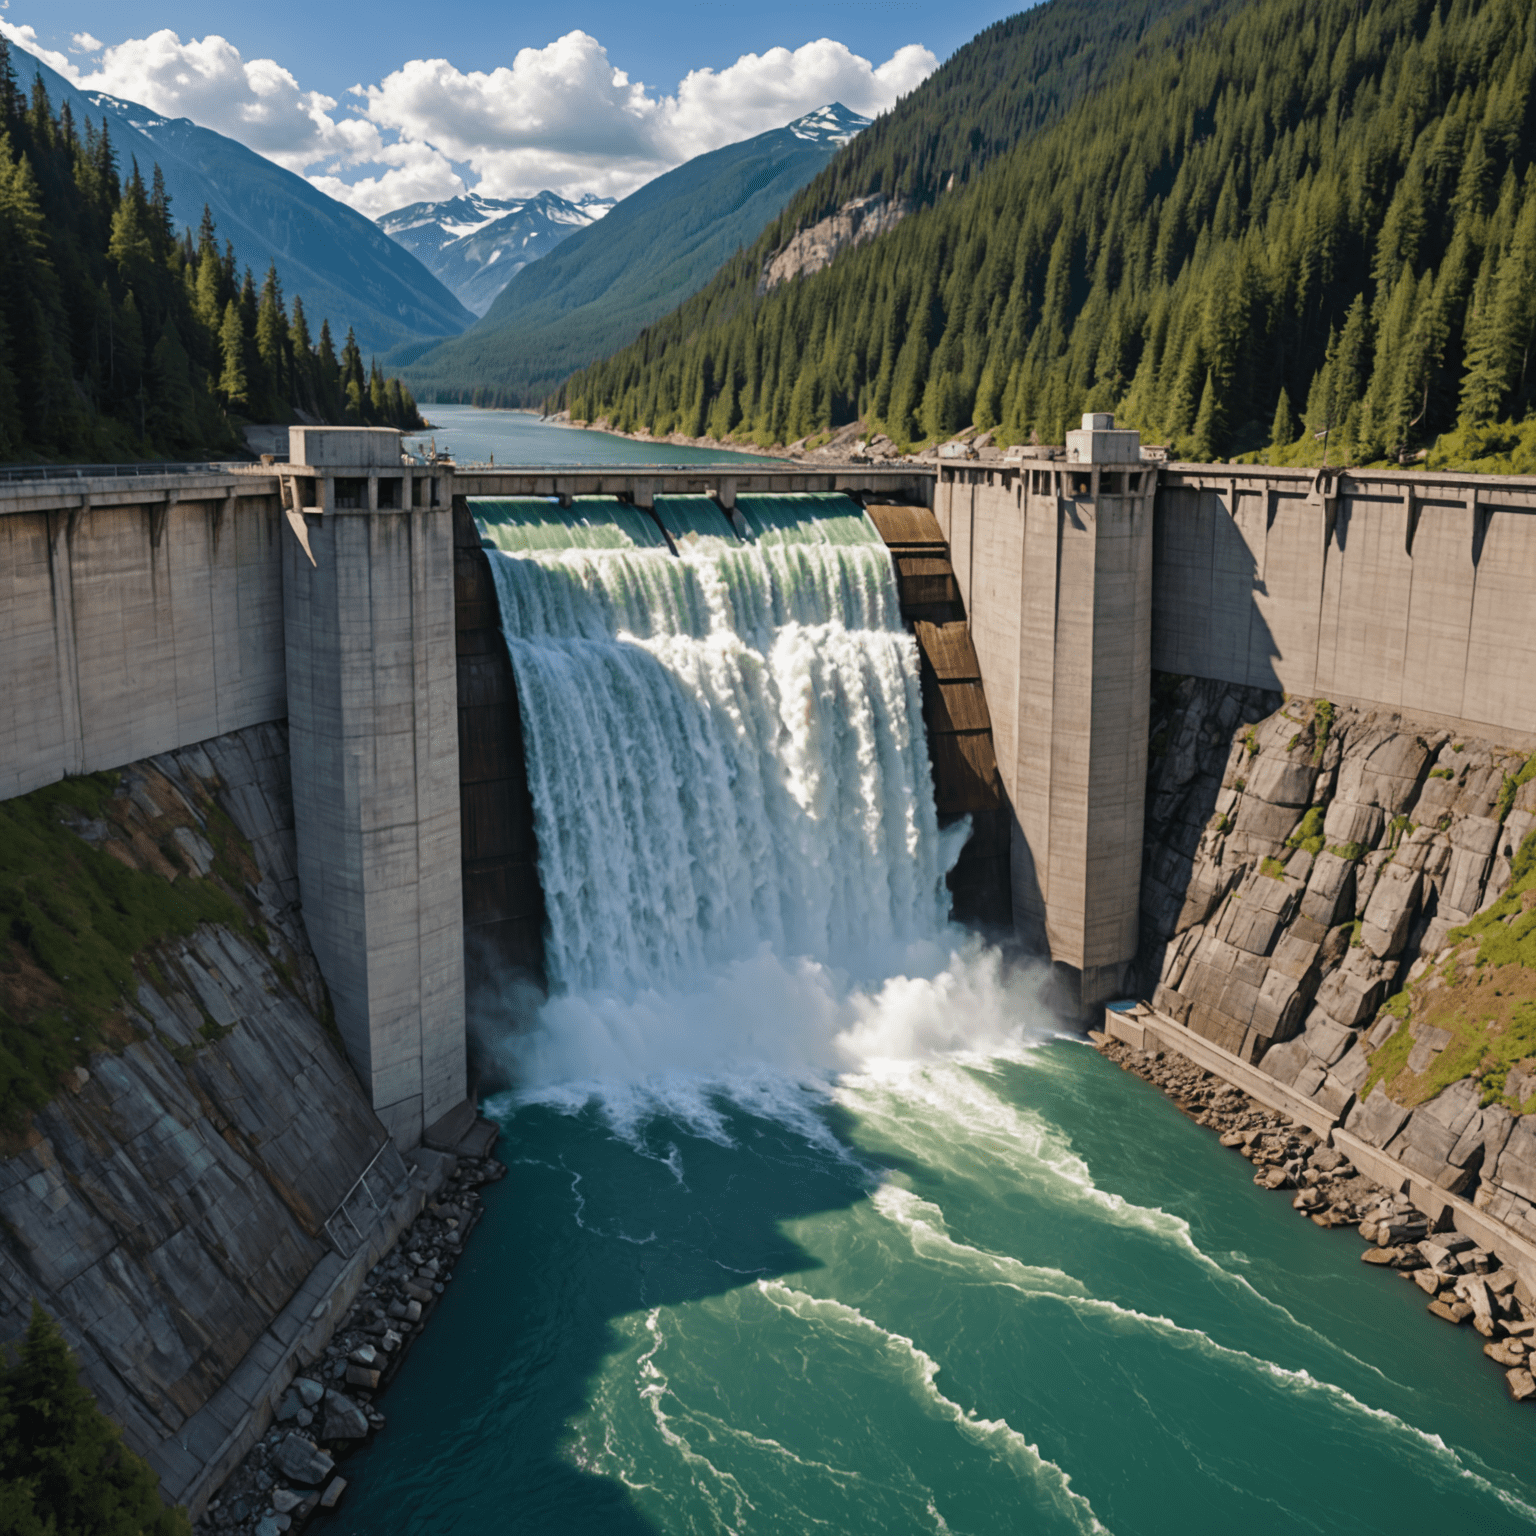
[234, 382]
[1283, 430]
[1205, 442]
[64, 1470]
[271, 336]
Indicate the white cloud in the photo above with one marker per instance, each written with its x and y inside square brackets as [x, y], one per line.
[562, 116]
[83, 42]
[26, 37]
[254, 100]
[415, 173]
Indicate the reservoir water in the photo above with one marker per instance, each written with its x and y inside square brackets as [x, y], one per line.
[814, 1219]
[523, 437]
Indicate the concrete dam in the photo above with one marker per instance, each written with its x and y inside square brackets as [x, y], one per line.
[324, 648]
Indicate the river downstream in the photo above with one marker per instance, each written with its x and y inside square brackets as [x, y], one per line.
[813, 1221]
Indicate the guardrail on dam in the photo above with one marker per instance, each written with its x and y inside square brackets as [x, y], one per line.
[151, 611]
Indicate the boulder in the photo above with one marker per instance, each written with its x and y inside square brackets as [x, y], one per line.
[1352, 993]
[300, 1460]
[1325, 1038]
[1282, 779]
[1451, 1311]
[1477, 834]
[1522, 1385]
[1347, 822]
[1376, 1119]
[1295, 956]
[1390, 911]
[1464, 880]
[1285, 1061]
[1387, 775]
[1278, 1011]
[344, 1420]
[1516, 1167]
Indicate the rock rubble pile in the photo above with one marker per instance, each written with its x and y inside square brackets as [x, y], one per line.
[291, 1473]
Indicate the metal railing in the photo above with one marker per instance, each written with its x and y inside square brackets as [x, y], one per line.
[15, 472]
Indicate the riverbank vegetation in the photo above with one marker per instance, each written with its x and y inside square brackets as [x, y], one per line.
[1304, 228]
[119, 340]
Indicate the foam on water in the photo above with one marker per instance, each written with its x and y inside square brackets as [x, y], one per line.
[919, 1370]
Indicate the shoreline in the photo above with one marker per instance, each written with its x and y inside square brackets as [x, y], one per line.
[327, 1410]
[839, 448]
[1462, 1281]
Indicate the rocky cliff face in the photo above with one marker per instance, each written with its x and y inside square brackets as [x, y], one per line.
[812, 249]
[181, 1190]
[1310, 876]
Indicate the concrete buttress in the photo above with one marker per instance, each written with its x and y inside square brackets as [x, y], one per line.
[373, 732]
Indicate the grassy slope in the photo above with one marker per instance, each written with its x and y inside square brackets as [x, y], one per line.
[1483, 994]
[79, 923]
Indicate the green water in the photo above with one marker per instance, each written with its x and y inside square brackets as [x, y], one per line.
[1012, 1295]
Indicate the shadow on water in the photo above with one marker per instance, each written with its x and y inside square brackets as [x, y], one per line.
[588, 1226]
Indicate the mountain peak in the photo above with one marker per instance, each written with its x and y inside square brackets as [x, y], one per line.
[831, 124]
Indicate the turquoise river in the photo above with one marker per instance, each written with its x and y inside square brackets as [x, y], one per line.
[815, 1219]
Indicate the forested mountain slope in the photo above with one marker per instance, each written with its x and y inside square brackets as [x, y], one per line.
[607, 281]
[339, 260]
[1316, 208]
[117, 339]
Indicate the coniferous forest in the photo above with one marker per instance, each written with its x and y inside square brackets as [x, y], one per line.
[1306, 225]
[120, 341]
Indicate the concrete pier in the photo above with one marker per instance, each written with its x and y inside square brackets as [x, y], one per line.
[373, 735]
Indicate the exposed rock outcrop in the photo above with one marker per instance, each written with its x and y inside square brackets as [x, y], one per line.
[187, 1191]
[811, 249]
[1303, 862]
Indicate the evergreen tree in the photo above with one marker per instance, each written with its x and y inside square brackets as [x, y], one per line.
[234, 382]
[64, 1470]
[1330, 197]
[114, 333]
[1283, 430]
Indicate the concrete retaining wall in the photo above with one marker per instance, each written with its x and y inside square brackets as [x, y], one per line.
[140, 616]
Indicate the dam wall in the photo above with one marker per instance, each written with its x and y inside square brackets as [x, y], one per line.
[1402, 591]
[139, 614]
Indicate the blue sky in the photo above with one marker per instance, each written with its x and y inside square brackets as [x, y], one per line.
[390, 103]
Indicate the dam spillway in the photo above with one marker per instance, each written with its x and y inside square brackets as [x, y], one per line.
[724, 745]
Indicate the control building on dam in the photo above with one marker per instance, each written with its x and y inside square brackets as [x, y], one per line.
[346, 593]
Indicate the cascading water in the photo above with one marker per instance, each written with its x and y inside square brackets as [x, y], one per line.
[802, 1232]
[727, 762]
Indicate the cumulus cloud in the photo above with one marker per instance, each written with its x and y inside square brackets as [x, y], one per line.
[254, 100]
[83, 42]
[562, 117]
[26, 37]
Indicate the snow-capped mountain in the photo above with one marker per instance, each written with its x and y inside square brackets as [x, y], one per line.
[831, 124]
[475, 245]
[605, 284]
